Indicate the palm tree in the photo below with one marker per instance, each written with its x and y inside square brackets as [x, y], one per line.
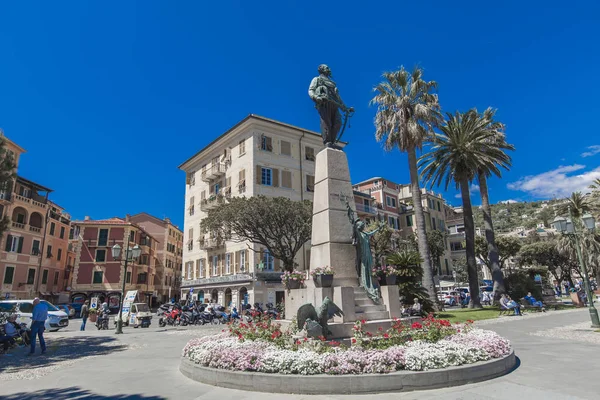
[407, 112]
[457, 154]
[578, 203]
[498, 139]
[595, 185]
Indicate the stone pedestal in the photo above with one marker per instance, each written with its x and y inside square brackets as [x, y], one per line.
[331, 229]
[391, 298]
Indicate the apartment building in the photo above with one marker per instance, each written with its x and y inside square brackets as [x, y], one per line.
[257, 156]
[169, 254]
[97, 274]
[384, 203]
[436, 212]
[34, 249]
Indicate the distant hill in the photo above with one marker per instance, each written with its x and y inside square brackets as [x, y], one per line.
[509, 216]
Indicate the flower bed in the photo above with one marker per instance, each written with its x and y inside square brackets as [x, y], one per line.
[263, 347]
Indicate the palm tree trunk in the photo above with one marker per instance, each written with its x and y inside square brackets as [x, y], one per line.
[421, 229]
[470, 244]
[493, 256]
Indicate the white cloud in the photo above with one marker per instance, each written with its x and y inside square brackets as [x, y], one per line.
[592, 151]
[509, 201]
[473, 190]
[458, 196]
[559, 182]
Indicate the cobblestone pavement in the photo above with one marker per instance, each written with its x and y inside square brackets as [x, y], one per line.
[143, 364]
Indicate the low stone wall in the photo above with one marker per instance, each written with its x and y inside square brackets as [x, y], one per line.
[401, 381]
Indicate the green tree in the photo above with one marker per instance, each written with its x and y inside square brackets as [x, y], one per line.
[546, 254]
[381, 242]
[410, 275]
[279, 224]
[407, 111]
[436, 241]
[456, 155]
[508, 246]
[7, 176]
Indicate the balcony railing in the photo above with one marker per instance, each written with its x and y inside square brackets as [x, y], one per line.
[213, 172]
[211, 202]
[18, 225]
[27, 200]
[366, 209]
[210, 243]
[35, 229]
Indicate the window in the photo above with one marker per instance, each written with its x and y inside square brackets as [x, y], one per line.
[286, 148]
[55, 278]
[409, 220]
[242, 260]
[49, 251]
[433, 225]
[266, 143]
[142, 278]
[309, 153]
[62, 232]
[202, 271]
[98, 277]
[21, 218]
[30, 277]
[266, 176]
[132, 236]
[44, 277]
[286, 179]
[191, 207]
[242, 147]
[310, 183]
[9, 273]
[102, 237]
[59, 255]
[100, 255]
[14, 244]
[390, 201]
[128, 277]
[190, 178]
[268, 261]
[52, 228]
[228, 263]
[439, 206]
[215, 265]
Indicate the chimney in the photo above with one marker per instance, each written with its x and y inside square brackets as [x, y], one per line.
[127, 217]
[86, 218]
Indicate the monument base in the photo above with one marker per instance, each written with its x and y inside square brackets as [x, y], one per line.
[341, 331]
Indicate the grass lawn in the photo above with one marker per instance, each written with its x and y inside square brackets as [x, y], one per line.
[465, 314]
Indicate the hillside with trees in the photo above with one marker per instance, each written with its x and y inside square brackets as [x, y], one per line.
[509, 216]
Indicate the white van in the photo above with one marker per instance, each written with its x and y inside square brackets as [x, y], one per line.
[57, 319]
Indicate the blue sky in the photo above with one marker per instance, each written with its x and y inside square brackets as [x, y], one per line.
[109, 98]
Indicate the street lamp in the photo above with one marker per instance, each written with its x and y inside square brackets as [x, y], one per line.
[130, 254]
[568, 227]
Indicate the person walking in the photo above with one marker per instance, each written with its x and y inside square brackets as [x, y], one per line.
[38, 322]
[85, 313]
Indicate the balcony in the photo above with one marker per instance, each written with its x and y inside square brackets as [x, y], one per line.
[363, 208]
[18, 225]
[35, 229]
[211, 243]
[27, 200]
[212, 202]
[215, 171]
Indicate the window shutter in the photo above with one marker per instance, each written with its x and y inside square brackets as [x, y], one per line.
[8, 242]
[276, 264]
[20, 245]
[269, 144]
[275, 177]
[236, 262]
[258, 174]
[247, 258]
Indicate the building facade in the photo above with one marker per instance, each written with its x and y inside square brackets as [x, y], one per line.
[34, 248]
[169, 254]
[258, 156]
[97, 274]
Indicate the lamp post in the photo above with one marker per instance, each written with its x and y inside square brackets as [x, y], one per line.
[569, 227]
[129, 255]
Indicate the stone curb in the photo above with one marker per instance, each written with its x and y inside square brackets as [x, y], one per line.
[400, 381]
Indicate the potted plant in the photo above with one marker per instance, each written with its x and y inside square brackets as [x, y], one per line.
[93, 314]
[323, 276]
[292, 279]
[379, 274]
[401, 263]
[390, 275]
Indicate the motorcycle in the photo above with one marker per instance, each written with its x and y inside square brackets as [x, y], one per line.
[102, 321]
[170, 317]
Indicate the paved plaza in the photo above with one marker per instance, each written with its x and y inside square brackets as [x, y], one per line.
[555, 363]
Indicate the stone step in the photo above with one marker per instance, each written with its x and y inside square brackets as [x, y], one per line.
[373, 315]
[363, 302]
[370, 308]
[362, 297]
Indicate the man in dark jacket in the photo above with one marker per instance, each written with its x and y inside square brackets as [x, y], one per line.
[85, 313]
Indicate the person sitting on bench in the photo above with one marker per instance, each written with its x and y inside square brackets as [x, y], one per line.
[534, 303]
[509, 304]
[416, 308]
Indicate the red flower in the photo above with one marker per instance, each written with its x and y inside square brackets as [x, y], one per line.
[298, 342]
[380, 329]
[470, 321]
[369, 334]
[385, 335]
[363, 321]
[353, 340]
[416, 325]
[306, 339]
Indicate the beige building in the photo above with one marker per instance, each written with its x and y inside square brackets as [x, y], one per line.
[257, 156]
[168, 254]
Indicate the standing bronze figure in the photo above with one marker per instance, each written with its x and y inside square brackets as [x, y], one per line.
[323, 91]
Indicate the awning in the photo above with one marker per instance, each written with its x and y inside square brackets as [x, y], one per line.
[45, 294]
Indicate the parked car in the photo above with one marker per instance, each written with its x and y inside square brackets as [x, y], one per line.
[449, 298]
[57, 319]
[68, 309]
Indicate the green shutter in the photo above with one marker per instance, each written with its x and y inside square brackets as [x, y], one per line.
[20, 245]
[8, 242]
